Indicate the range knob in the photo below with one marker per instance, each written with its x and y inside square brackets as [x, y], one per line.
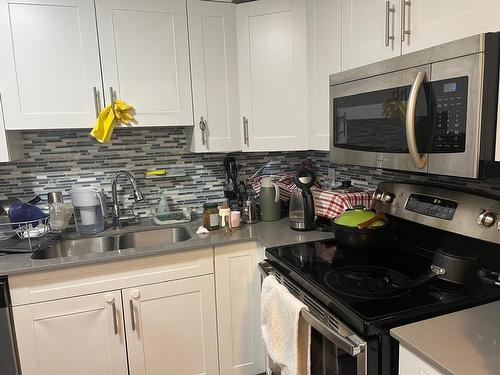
[383, 197]
[486, 218]
[387, 197]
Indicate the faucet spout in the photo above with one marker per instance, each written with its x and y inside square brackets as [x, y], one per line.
[138, 196]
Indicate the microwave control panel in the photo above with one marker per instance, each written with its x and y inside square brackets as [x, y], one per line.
[449, 98]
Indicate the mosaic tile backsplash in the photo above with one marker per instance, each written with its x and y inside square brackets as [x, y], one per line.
[372, 176]
[59, 160]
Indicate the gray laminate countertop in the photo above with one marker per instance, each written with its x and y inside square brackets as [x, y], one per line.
[270, 234]
[464, 342]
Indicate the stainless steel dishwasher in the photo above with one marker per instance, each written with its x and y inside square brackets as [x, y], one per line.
[8, 358]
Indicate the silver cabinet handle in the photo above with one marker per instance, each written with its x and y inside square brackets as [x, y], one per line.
[405, 31]
[388, 11]
[419, 161]
[111, 300]
[132, 316]
[246, 140]
[135, 294]
[203, 128]
[97, 101]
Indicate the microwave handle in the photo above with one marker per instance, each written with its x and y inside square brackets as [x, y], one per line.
[419, 160]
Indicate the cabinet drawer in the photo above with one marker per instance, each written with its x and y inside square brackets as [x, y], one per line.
[74, 281]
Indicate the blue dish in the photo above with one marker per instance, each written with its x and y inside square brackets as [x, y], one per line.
[23, 212]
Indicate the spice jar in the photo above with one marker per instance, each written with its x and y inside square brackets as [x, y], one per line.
[211, 216]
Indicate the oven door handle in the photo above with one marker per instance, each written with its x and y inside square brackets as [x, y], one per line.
[351, 345]
[347, 344]
[419, 160]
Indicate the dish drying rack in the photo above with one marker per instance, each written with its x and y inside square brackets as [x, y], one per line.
[23, 236]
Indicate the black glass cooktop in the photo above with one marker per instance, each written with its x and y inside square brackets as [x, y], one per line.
[358, 286]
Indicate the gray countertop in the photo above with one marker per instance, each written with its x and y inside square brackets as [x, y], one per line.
[464, 342]
[270, 234]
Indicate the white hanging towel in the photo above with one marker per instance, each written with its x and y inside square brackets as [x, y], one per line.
[286, 334]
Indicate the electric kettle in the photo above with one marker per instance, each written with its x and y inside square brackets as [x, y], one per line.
[302, 214]
[90, 209]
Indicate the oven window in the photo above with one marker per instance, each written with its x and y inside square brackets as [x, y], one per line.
[376, 121]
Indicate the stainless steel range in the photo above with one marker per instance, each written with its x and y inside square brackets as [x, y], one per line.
[355, 297]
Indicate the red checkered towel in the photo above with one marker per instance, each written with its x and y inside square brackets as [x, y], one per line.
[329, 204]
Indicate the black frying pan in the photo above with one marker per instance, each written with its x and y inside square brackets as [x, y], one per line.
[448, 265]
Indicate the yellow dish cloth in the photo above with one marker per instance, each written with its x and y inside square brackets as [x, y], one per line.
[113, 114]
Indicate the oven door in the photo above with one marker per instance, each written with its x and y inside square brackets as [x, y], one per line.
[369, 121]
[335, 349]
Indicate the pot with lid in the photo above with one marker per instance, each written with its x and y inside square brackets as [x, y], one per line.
[359, 228]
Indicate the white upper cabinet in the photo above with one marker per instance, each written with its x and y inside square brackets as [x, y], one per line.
[324, 36]
[171, 327]
[145, 58]
[371, 31]
[10, 142]
[432, 23]
[272, 60]
[77, 336]
[214, 71]
[50, 63]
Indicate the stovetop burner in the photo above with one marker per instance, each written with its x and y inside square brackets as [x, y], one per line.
[366, 281]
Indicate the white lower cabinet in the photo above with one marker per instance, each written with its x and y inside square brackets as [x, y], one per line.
[161, 315]
[238, 281]
[411, 364]
[171, 327]
[74, 336]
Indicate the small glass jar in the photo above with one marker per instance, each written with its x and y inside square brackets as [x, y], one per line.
[211, 216]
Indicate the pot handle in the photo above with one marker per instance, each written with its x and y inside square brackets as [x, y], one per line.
[377, 217]
[434, 271]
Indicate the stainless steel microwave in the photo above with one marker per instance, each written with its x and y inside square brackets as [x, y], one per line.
[432, 111]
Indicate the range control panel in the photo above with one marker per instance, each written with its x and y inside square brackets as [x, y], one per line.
[464, 213]
[449, 98]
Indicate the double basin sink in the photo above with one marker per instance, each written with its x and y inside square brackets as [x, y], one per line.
[91, 245]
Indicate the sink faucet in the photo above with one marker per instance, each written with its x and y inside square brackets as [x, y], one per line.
[116, 208]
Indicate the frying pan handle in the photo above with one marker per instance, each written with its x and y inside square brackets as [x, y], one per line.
[434, 271]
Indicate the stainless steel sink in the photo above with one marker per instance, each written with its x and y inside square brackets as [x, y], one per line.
[91, 245]
[153, 238]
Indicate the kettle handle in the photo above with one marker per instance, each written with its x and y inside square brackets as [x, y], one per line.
[277, 190]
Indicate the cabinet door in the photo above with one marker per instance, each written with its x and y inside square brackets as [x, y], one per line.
[366, 27]
[77, 336]
[212, 42]
[145, 58]
[50, 63]
[273, 74]
[10, 143]
[431, 23]
[171, 327]
[238, 309]
[410, 364]
[324, 33]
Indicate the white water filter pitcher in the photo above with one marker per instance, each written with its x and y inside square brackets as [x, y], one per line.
[90, 209]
